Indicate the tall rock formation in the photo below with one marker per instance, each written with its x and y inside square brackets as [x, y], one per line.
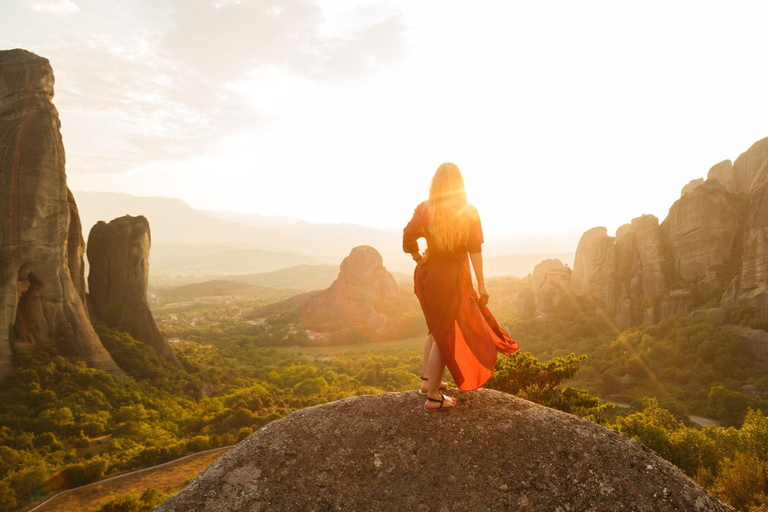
[118, 257]
[625, 272]
[594, 267]
[750, 287]
[551, 282]
[494, 452]
[641, 272]
[702, 229]
[718, 227]
[41, 243]
[365, 296]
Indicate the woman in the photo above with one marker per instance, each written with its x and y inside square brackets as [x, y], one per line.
[463, 334]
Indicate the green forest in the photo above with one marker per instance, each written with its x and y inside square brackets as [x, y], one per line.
[64, 424]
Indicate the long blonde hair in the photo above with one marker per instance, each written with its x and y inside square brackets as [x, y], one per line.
[448, 211]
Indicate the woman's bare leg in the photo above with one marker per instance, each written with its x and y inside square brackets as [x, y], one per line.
[436, 369]
[425, 367]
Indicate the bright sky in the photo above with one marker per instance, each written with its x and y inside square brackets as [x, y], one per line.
[561, 115]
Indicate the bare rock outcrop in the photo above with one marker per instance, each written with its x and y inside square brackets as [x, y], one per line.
[702, 229]
[543, 268]
[41, 244]
[723, 172]
[739, 176]
[118, 257]
[594, 267]
[364, 296]
[714, 241]
[494, 451]
[551, 282]
[691, 186]
[624, 271]
[750, 287]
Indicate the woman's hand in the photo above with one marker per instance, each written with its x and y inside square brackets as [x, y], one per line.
[483, 295]
[424, 258]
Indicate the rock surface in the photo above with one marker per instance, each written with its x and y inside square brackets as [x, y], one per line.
[750, 287]
[722, 172]
[118, 259]
[384, 453]
[364, 296]
[702, 228]
[41, 245]
[543, 268]
[691, 186]
[594, 267]
[713, 242]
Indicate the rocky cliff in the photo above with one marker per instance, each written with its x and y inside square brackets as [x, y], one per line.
[384, 453]
[364, 296]
[713, 244]
[42, 285]
[118, 258]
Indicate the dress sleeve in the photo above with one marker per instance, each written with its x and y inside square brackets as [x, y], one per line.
[475, 233]
[413, 231]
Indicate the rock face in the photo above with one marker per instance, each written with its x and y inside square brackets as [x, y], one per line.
[594, 267]
[364, 296]
[640, 269]
[42, 287]
[118, 257]
[624, 271]
[702, 228]
[714, 240]
[541, 271]
[750, 287]
[691, 186]
[723, 172]
[551, 281]
[384, 453]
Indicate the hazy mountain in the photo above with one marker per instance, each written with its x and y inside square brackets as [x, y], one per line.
[301, 277]
[253, 219]
[173, 220]
[177, 264]
[215, 288]
[283, 241]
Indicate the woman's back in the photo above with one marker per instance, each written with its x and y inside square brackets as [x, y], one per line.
[420, 227]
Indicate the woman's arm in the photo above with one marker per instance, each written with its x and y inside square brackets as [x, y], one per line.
[412, 232]
[477, 264]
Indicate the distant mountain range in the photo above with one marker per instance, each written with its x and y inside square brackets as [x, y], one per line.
[190, 245]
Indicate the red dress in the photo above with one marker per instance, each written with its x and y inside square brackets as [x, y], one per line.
[467, 333]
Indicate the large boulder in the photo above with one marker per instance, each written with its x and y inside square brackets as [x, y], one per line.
[118, 259]
[41, 244]
[494, 451]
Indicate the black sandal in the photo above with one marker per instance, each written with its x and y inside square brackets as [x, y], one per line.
[441, 402]
[421, 392]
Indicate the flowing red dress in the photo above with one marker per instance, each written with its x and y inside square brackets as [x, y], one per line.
[467, 333]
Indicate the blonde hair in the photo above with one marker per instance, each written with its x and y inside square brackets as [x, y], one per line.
[448, 211]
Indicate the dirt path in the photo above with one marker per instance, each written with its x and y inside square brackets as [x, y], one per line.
[168, 478]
